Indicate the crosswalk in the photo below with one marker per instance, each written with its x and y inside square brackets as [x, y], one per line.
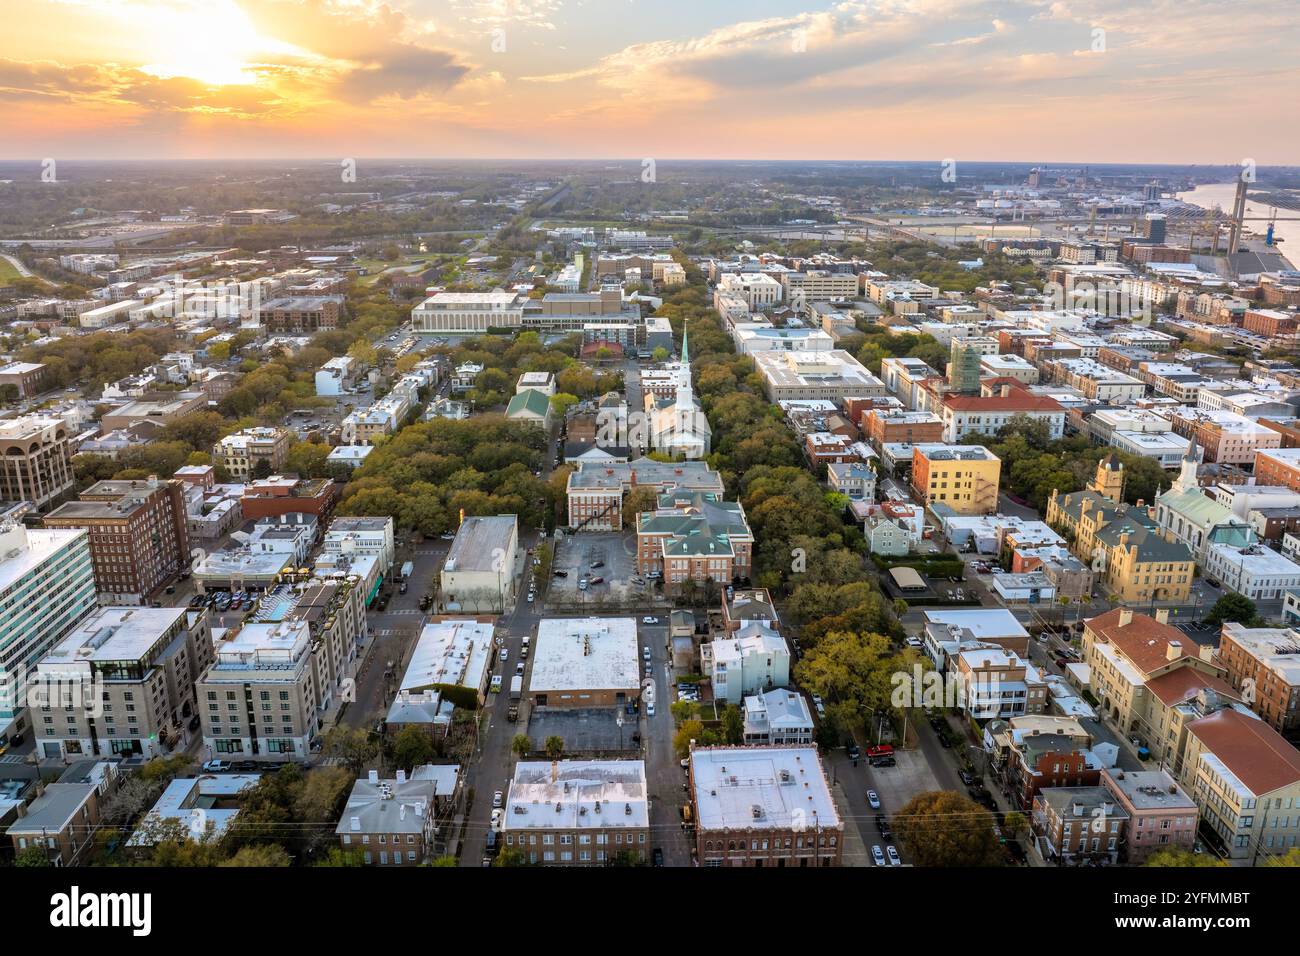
[13, 758]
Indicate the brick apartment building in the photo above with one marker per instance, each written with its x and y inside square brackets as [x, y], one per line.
[1267, 660]
[302, 314]
[139, 542]
[280, 495]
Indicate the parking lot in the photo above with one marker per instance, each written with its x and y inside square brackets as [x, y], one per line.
[614, 557]
[585, 731]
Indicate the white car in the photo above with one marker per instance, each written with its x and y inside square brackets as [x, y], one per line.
[498, 799]
[873, 800]
[649, 620]
[498, 815]
[505, 653]
[531, 596]
[893, 856]
[878, 856]
[650, 709]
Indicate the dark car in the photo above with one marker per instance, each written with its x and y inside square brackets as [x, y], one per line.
[966, 778]
[657, 857]
[853, 751]
[195, 722]
[596, 581]
[560, 574]
[882, 825]
[244, 766]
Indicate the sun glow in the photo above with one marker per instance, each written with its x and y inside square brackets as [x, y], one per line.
[213, 42]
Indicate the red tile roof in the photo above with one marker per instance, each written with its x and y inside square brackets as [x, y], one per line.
[1178, 685]
[1258, 755]
[1144, 640]
[999, 403]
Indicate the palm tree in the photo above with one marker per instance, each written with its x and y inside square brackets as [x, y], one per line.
[522, 746]
[554, 746]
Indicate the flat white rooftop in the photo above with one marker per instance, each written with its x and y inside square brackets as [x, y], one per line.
[586, 653]
[449, 652]
[116, 634]
[578, 795]
[984, 624]
[741, 788]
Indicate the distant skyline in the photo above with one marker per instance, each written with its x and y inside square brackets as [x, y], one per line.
[1171, 81]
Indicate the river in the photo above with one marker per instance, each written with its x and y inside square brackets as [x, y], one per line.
[1209, 195]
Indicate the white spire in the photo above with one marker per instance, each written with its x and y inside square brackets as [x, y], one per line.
[1187, 473]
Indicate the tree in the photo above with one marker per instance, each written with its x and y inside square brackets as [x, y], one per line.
[733, 725]
[943, 828]
[639, 499]
[688, 731]
[33, 856]
[1180, 857]
[1232, 607]
[308, 459]
[337, 856]
[447, 861]
[353, 746]
[554, 746]
[413, 747]
[1290, 858]
[521, 746]
[261, 855]
[510, 857]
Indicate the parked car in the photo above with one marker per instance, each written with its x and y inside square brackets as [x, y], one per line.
[596, 581]
[878, 855]
[505, 653]
[498, 799]
[873, 800]
[560, 574]
[852, 750]
[216, 766]
[882, 825]
[649, 620]
[893, 856]
[657, 857]
[966, 778]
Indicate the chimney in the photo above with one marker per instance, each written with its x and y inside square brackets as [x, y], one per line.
[1174, 650]
[1207, 654]
[1162, 615]
[1125, 617]
[401, 776]
[373, 777]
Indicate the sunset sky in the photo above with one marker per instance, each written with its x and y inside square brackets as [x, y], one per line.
[1195, 81]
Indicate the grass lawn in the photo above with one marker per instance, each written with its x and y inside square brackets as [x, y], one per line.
[8, 273]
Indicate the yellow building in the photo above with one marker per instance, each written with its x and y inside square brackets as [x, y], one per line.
[963, 477]
[1141, 670]
[1123, 544]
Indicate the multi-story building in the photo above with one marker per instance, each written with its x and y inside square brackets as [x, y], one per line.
[962, 477]
[64, 819]
[694, 536]
[1245, 779]
[392, 822]
[263, 695]
[1128, 654]
[1225, 436]
[139, 535]
[852, 479]
[35, 460]
[47, 586]
[801, 376]
[595, 491]
[1160, 813]
[245, 451]
[362, 535]
[1079, 823]
[882, 427]
[129, 673]
[763, 806]
[1279, 467]
[1123, 545]
[1264, 664]
[778, 718]
[280, 495]
[26, 378]
[978, 415]
[752, 659]
[1098, 382]
[468, 312]
[758, 291]
[903, 378]
[590, 662]
[964, 368]
[301, 314]
[335, 377]
[479, 572]
[1252, 569]
[578, 812]
[994, 682]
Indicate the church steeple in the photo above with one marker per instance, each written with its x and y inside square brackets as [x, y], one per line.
[1187, 471]
[685, 396]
